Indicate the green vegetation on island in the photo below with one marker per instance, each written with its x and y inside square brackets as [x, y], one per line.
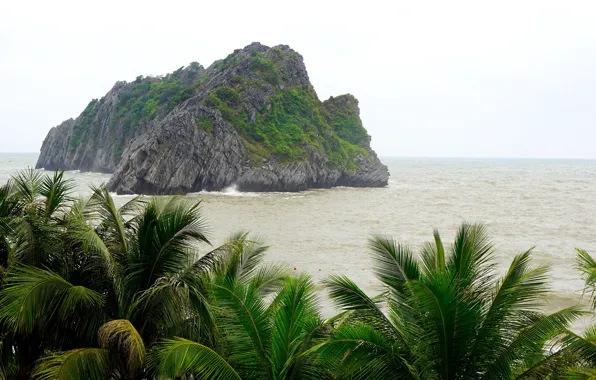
[83, 129]
[90, 290]
[142, 100]
[293, 123]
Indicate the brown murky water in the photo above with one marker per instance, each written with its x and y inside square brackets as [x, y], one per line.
[549, 204]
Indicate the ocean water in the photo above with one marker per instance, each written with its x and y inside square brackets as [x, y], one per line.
[546, 204]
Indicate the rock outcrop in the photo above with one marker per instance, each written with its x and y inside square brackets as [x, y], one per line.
[252, 120]
[95, 140]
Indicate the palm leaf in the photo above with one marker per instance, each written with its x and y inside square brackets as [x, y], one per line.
[294, 309]
[8, 202]
[91, 242]
[82, 363]
[269, 278]
[175, 358]
[165, 232]
[581, 374]
[246, 325]
[162, 306]
[351, 348]
[111, 218]
[33, 297]
[528, 343]
[20, 238]
[470, 259]
[56, 190]
[394, 264]
[348, 296]
[587, 266]
[27, 184]
[553, 364]
[583, 346]
[522, 289]
[433, 255]
[241, 257]
[435, 300]
[120, 336]
[251, 255]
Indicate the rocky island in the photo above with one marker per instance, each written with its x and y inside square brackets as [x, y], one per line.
[252, 120]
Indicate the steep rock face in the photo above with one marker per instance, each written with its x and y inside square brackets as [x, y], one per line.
[55, 146]
[88, 142]
[95, 140]
[180, 157]
[252, 120]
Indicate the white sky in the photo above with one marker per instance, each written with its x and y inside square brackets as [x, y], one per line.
[444, 78]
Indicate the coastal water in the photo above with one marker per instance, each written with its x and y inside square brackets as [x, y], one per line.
[549, 204]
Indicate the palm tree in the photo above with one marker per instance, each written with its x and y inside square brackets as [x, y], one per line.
[92, 290]
[31, 209]
[124, 293]
[444, 316]
[580, 350]
[83, 270]
[267, 321]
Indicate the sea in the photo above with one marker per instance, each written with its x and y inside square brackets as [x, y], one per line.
[546, 204]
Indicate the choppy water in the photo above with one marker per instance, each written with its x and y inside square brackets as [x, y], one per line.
[550, 204]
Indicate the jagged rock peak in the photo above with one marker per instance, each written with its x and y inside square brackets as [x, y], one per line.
[251, 119]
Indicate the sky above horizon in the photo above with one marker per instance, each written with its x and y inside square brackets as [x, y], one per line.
[433, 78]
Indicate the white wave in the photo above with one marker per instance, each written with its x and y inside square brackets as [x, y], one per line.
[116, 195]
[232, 190]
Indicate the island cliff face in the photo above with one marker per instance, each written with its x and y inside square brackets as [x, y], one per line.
[252, 120]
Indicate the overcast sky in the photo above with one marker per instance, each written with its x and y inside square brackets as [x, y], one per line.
[444, 78]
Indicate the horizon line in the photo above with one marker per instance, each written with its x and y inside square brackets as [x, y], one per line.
[442, 157]
[495, 157]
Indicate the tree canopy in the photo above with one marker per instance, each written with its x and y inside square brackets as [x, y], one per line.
[90, 289]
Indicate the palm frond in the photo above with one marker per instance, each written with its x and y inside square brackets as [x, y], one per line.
[165, 231]
[522, 289]
[32, 297]
[10, 203]
[246, 324]
[583, 346]
[470, 261]
[394, 264]
[436, 303]
[433, 255]
[241, 257]
[91, 242]
[554, 365]
[162, 306]
[120, 336]
[269, 278]
[111, 218]
[27, 184]
[352, 347]
[19, 232]
[57, 191]
[294, 309]
[348, 296]
[251, 255]
[81, 363]
[528, 344]
[175, 358]
[587, 267]
[581, 374]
